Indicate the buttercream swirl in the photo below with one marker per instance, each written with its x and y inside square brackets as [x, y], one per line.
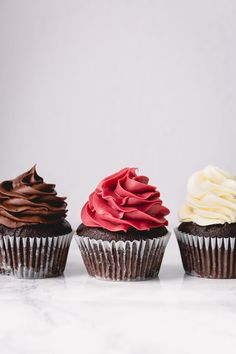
[27, 200]
[124, 200]
[211, 198]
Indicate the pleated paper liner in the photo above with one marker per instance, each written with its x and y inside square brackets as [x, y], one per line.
[122, 260]
[208, 257]
[34, 257]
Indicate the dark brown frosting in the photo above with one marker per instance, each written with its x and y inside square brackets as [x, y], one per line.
[28, 200]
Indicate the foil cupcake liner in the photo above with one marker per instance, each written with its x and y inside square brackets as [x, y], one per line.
[123, 260]
[207, 257]
[34, 257]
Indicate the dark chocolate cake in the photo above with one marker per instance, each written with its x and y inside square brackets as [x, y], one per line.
[133, 234]
[217, 230]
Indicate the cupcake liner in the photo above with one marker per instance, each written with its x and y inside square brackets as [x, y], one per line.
[123, 260]
[208, 257]
[34, 257]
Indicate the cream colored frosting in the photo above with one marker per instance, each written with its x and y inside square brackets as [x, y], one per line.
[211, 198]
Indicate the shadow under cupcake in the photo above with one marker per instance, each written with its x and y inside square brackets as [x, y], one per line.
[34, 235]
[123, 235]
[207, 233]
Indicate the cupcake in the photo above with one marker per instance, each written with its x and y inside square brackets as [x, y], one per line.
[207, 233]
[34, 235]
[123, 234]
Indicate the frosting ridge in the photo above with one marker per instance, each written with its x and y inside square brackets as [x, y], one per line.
[27, 199]
[211, 198]
[124, 200]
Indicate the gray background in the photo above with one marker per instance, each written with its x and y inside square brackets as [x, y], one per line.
[89, 87]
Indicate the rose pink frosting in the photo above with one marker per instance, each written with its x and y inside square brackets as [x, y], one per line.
[124, 200]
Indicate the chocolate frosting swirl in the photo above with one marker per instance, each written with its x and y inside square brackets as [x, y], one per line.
[27, 200]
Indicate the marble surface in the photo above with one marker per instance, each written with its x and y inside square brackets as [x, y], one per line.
[78, 314]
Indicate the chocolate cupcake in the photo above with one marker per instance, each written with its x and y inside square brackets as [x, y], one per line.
[34, 235]
[207, 233]
[123, 235]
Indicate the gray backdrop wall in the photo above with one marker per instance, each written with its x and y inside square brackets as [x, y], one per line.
[89, 87]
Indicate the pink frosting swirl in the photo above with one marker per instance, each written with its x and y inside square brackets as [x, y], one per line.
[124, 200]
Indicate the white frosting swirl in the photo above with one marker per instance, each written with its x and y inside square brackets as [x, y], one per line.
[211, 198]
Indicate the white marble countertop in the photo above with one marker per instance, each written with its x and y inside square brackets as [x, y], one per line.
[78, 314]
